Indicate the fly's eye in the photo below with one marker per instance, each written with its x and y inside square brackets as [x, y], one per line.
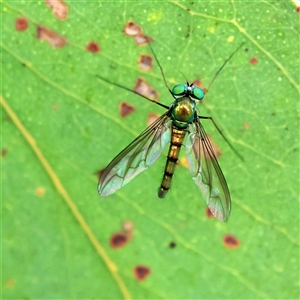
[179, 89]
[198, 93]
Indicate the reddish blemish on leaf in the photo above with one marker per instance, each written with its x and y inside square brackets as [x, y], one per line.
[3, 152]
[92, 47]
[21, 24]
[132, 29]
[145, 62]
[152, 117]
[59, 8]
[182, 162]
[216, 149]
[142, 39]
[126, 109]
[145, 89]
[230, 241]
[253, 60]
[118, 240]
[99, 173]
[40, 191]
[246, 125]
[128, 228]
[208, 213]
[141, 272]
[198, 83]
[51, 37]
[10, 283]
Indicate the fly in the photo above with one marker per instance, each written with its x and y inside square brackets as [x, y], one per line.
[180, 121]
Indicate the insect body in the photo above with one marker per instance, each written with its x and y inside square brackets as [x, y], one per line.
[181, 121]
[183, 113]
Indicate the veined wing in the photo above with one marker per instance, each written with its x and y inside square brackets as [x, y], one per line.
[136, 157]
[206, 172]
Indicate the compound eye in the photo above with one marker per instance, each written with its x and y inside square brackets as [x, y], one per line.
[179, 89]
[198, 93]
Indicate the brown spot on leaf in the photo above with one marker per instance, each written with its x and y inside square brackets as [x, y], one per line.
[141, 272]
[172, 245]
[128, 227]
[152, 117]
[253, 60]
[10, 283]
[199, 150]
[145, 62]
[126, 109]
[182, 162]
[198, 83]
[142, 39]
[145, 89]
[118, 240]
[92, 47]
[246, 125]
[3, 152]
[51, 37]
[230, 241]
[99, 173]
[59, 8]
[21, 24]
[132, 28]
[216, 149]
[40, 191]
[208, 213]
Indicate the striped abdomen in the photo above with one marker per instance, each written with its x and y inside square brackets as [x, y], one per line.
[177, 137]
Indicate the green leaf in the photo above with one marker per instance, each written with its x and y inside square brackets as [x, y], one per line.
[61, 125]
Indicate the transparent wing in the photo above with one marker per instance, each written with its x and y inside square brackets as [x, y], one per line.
[206, 172]
[136, 157]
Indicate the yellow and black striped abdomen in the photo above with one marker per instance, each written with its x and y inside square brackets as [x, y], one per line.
[177, 137]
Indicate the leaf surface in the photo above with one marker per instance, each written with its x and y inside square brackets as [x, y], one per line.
[61, 125]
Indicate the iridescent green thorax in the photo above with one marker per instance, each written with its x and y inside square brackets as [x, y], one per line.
[183, 112]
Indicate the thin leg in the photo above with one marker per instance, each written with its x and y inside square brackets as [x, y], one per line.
[161, 70]
[130, 90]
[226, 61]
[224, 137]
